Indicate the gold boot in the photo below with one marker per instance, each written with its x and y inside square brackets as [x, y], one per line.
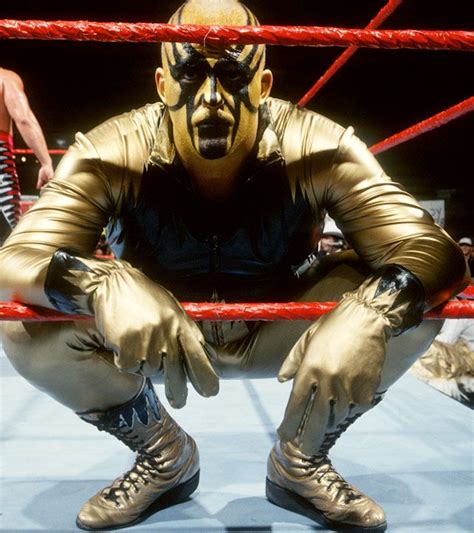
[166, 469]
[311, 486]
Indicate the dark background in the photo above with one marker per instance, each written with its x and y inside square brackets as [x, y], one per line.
[75, 85]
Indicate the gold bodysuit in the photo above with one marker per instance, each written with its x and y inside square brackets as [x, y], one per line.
[126, 172]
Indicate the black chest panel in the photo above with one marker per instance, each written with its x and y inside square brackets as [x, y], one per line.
[242, 250]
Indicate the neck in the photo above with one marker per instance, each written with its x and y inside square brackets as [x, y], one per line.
[215, 179]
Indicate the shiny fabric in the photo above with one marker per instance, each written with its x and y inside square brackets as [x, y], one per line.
[9, 186]
[68, 360]
[336, 503]
[127, 170]
[336, 370]
[167, 460]
[159, 334]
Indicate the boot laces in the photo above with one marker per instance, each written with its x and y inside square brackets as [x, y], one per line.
[121, 432]
[321, 465]
[326, 475]
[146, 466]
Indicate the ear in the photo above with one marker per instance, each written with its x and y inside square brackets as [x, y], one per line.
[266, 85]
[160, 83]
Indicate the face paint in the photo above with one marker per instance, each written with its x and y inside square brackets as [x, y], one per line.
[215, 94]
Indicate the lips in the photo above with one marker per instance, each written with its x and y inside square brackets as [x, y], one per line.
[213, 127]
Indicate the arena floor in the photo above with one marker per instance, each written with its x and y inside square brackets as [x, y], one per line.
[414, 454]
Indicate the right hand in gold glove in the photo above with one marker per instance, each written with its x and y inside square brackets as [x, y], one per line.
[337, 363]
[336, 366]
[140, 321]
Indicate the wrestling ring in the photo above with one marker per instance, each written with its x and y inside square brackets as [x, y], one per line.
[352, 39]
[423, 484]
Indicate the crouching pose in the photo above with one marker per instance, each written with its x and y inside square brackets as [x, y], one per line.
[214, 193]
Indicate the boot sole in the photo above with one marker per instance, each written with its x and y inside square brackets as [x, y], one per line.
[178, 494]
[296, 503]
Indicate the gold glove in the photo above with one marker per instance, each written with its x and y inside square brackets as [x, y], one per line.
[337, 363]
[140, 321]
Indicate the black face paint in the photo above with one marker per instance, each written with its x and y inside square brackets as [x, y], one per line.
[191, 69]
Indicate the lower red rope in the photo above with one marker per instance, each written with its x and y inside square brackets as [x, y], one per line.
[25, 151]
[237, 311]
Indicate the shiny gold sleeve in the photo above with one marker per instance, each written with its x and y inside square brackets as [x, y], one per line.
[93, 178]
[384, 224]
[48, 261]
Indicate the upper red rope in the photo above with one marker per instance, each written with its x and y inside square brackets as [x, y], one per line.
[81, 30]
[342, 59]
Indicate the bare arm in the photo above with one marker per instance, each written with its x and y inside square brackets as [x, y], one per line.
[19, 109]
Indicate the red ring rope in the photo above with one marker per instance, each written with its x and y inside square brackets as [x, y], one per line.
[466, 106]
[82, 30]
[237, 311]
[24, 151]
[341, 60]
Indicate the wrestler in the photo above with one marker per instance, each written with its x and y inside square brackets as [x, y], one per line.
[14, 107]
[214, 193]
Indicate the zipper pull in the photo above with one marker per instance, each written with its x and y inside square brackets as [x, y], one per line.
[214, 252]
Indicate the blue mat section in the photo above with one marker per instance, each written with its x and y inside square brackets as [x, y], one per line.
[413, 453]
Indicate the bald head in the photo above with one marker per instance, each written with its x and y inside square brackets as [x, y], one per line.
[213, 93]
[215, 12]
[225, 12]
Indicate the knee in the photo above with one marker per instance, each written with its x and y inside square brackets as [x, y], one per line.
[15, 341]
[421, 338]
[34, 349]
[403, 351]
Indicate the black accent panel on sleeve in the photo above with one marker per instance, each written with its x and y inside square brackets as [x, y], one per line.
[61, 292]
[397, 279]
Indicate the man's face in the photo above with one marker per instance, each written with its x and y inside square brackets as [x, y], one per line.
[466, 250]
[331, 244]
[213, 96]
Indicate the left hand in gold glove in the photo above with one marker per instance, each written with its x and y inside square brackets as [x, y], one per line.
[139, 321]
[337, 363]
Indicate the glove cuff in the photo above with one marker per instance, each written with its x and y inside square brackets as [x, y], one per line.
[394, 292]
[73, 277]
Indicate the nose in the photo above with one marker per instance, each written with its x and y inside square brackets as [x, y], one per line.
[212, 96]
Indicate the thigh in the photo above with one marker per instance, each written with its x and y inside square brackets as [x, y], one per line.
[263, 352]
[67, 361]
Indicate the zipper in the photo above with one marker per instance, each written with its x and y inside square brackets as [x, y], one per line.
[214, 263]
[214, 254]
